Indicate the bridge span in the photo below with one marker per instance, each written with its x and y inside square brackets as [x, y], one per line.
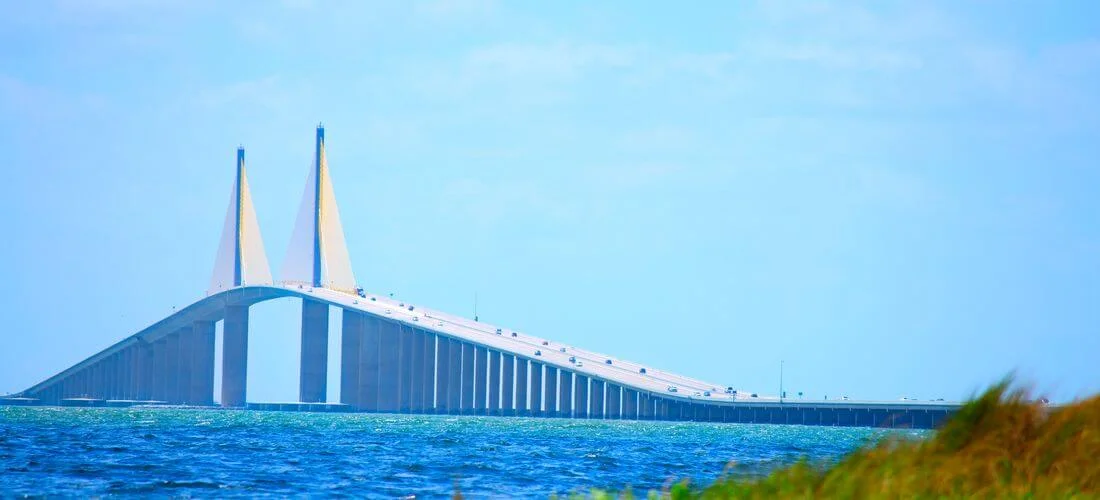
[400, 357]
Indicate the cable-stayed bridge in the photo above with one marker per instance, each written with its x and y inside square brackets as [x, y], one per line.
[397, 357]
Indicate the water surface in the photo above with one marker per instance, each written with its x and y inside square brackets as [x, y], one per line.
[70, 451]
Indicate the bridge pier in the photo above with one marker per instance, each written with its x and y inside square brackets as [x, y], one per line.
[467, 379]
[454, 380]
[351, 333]
[614, 401]
[522, 383]
[630, 404]
[507, 384]
[133, 355]
[169, 368]
[565, 394]
[596, 400]
[405, 359]
[427, 391]
[536, 389]
[412, 341]
[580, 396]
[481, 379]
[389, 353]
[443, 376]
[369, 348]
[122, 375]
[313, 376]
[234, 356]
[183, 364]
[146, 371]
[551, 392]
[494, 382]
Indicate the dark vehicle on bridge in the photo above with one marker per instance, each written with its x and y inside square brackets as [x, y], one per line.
[607, 362]
[641, 370]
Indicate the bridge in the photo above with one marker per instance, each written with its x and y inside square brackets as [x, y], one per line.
[399, 357]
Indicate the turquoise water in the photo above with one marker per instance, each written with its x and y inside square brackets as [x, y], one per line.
[69, 451]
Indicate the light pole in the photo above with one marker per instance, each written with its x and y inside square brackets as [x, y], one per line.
[781, 381]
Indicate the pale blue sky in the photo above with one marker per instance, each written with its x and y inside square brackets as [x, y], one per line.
[897, 198]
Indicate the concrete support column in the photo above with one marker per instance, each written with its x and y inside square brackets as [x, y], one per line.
[122, 381]
[202, 363]
[186, 346]
[131, 359]
[116, 376]
[645, 406]
[468, 368]
[172, 368]
[630, 404]
[414, 341]
[106, 377]
[313, 376]
[389, 365]
[454, 395]
[596, 399]
[454, 377]
[565, 394]
[102, 379]
[522, 383]
[158, 349]
[405, 363]
[427, 391]
[443, 375]
[614, 401]
[537, 408]
[138, 374]
[95, 387]
[550, 395]
[351, 334]
[146, 376]
[369, 348]
[507, 384]
[235, 356]
[580, 396]
[494, 382]
[481, 379]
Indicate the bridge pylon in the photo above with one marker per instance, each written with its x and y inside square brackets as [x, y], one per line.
[241, 259]
[317, 258]
[318, 254]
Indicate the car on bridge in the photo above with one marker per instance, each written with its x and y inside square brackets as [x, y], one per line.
[672, 388]
[641, 370]
[608, 362]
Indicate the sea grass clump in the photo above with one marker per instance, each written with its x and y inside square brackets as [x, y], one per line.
[1002, 444]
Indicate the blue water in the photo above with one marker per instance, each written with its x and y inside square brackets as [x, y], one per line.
[70, 451]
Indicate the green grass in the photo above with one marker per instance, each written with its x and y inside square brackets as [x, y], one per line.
[1002, 444]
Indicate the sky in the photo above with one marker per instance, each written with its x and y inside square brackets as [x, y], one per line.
[890, 198]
